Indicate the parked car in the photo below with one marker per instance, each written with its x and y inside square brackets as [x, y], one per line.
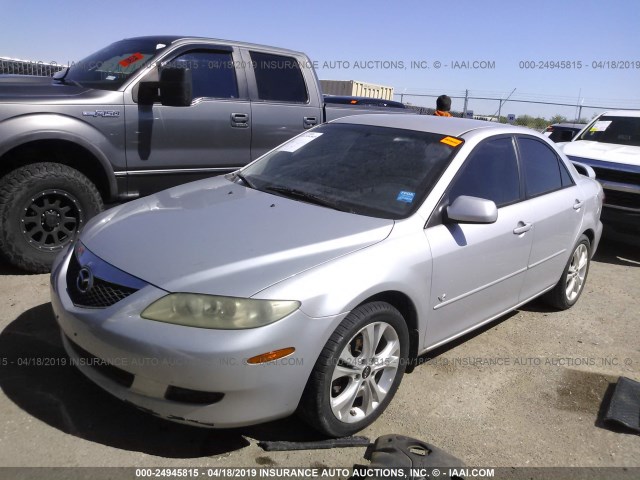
[610, 144]
[136, 117]
[362, 101]
[312, 278]
[563, 132]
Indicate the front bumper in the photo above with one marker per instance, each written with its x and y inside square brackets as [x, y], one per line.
[157, 357]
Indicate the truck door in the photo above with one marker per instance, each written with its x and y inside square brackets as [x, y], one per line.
[285, 99]
[167, 146]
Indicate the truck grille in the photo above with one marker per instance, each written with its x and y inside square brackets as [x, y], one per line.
[101, 294]
[622, 199]
[617, 176]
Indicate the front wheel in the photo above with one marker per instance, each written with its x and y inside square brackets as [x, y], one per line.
[358, 371]
[43, 206]
[570, 286]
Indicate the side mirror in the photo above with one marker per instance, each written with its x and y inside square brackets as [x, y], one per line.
[467, 209]
[175, 87]
[584, 169]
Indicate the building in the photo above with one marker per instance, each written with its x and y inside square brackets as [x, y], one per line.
[354, 88]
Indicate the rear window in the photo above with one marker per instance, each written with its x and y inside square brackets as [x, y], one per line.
[279, 78]
[617, 130]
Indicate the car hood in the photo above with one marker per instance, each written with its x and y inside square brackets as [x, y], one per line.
[20, 87]
[606, 152]
[218, 237]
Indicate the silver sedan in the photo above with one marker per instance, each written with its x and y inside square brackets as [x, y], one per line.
[313, 278]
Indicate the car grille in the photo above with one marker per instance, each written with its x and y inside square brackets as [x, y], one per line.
[113, 373]
[101, 295]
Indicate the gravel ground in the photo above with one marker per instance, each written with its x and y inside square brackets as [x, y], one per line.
[525, 391]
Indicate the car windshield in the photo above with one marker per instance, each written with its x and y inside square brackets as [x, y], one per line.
[368, 170]
[109, 68]
[618, 130]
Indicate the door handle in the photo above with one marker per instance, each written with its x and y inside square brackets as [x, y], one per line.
[240, 120]
[578, 205]
[522, 228]
[309, 122]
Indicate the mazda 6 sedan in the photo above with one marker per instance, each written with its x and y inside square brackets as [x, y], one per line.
[312, 279]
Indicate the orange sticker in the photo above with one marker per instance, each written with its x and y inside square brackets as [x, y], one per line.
[136, 57]
[452, 142]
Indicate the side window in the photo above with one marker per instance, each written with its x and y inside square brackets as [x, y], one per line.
[567, 181]
[279, 78]
[213, 73]
[541, 167]
[490, 172]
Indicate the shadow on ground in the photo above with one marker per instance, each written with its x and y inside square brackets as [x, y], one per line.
[38, 378]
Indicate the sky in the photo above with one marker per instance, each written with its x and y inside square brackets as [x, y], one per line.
[497, 46]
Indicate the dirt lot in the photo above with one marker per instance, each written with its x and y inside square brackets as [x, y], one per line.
[525, 391]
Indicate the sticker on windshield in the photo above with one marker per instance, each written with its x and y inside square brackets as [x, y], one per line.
[406, 197]
[600, 126]
[299, 142]
[110, 77]
[451, 141]
[136, 57]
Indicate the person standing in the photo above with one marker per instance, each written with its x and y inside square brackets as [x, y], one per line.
[443, 105]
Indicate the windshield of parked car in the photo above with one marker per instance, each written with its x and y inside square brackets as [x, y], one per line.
[367, 170]
[618, 130]
[110, 67]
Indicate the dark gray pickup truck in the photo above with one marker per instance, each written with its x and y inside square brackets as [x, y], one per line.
[138, 116]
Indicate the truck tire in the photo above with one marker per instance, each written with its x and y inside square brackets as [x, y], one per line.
[43, 206]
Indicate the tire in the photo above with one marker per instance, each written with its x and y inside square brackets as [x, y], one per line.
[43, 206]
[571, 284]
[349, 388]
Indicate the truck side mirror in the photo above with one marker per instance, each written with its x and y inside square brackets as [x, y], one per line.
[175, 87]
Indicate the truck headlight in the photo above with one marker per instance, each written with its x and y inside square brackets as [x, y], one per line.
[217, 312]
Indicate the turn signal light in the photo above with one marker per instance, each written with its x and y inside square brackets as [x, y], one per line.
[271, 356]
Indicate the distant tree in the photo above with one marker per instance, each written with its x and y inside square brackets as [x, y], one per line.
[558, 119]
[524, 120]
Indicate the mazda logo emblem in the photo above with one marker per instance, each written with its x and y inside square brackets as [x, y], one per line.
[84, 281]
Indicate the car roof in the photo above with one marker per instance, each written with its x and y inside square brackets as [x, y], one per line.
[579, 126]
[622, 113]
[452, 126]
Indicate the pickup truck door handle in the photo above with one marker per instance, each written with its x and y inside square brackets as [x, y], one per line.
[309, 122]
[522, 228]
[578, 205]
[240, 120]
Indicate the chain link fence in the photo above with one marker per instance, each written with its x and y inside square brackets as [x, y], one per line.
[10, 66]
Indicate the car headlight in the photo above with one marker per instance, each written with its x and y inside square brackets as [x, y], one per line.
[212, 311]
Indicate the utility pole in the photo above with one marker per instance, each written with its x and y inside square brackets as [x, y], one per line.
[500, 107]
[466, 100]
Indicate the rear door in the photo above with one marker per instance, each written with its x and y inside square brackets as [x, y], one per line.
[284, 98]
[554, 207]
[171, 145]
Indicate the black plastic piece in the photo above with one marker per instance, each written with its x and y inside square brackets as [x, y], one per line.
[400, 452]
[282, 446]
[624, 407]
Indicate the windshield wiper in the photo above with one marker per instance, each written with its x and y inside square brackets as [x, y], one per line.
[306, 197]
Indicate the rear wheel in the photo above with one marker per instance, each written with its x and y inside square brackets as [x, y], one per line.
[358, 371]
[570, 286]
[43, 206]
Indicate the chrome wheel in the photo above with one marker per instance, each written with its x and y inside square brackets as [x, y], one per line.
[577, 272]
[364, 372]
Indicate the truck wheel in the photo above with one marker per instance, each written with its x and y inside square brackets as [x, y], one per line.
[43, 206]
[358, 371]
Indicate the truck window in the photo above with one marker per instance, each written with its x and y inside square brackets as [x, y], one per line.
[279, 78]
[213, 73]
